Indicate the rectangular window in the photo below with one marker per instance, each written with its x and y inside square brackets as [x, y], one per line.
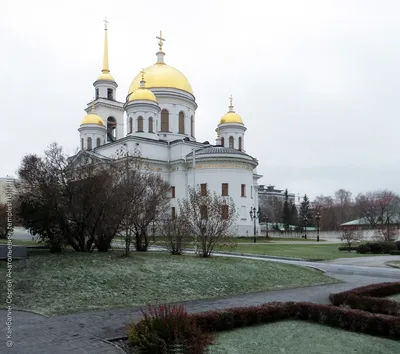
[225, 212]
[173, 213]
[203, 189]
[243, 190]
[97, 93]
[173, 192]
[203, 212]
[110, 94]
[225, 191]
[251, 190]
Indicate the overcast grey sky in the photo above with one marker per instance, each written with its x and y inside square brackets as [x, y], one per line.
[317, 82]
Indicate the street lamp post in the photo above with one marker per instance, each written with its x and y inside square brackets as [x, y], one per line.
[267, 221]
[254, 215]
[305, 220]
[318, 218]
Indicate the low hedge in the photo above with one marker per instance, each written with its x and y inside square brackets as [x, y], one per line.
[395, 252]
[373, 290]
[225, 320]
[348, 319]
[373, 304]
[377, 247]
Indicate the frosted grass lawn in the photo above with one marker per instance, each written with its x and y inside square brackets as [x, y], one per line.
[299, 337]
[305, 251]
[77, 282]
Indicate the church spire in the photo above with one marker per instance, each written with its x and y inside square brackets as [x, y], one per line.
[105, 72]
[106, 68]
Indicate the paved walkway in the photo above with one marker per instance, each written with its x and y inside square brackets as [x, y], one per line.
[294, 242]
[375, 261]
[86, 332]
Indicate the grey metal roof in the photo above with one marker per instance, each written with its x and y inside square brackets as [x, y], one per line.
[363, 221]
[219, 150]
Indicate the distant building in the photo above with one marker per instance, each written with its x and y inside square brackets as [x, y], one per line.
[271, 202]
[269, 193]
[364, 224]
[6, 182]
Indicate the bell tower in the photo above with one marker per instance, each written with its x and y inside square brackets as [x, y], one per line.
[105, 103]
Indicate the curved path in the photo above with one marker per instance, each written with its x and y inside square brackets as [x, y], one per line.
[86, 332]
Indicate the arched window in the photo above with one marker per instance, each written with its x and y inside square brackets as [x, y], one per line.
[181, 123]
[151, 128]
[140, 124]
[130, 125]
[82, 143]
[98, 142]
[240, 143]
[231, 142]
[89, 143]
[164, 120]
[111, 128]
[192, 126]
[222, 141]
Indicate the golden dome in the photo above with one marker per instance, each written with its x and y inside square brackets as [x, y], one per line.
[93, 118]
[231, 117]
[162, 75]
[106, 76]
[142, 94]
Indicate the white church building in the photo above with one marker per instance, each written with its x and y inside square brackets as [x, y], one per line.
[158, 119]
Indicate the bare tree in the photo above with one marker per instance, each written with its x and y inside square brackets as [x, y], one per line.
[343, 205]
[145, 198]
[350, 237]
[326, 206]
[176, 235]
[381, 209]
[210, 217]
[388, 233]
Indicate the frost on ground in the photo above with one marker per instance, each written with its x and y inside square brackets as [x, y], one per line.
[77, 282]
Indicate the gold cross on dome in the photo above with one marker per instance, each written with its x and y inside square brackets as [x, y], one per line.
[143, 72]
[160, 43]
[105, 23]
[230, 100]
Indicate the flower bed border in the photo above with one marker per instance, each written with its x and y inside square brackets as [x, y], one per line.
[344, 318]
[369, 298]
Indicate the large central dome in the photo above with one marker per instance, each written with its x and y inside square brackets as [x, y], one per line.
[162, 75]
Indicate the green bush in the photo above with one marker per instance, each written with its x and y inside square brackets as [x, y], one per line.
[168, 329]
[395, 252]
[363, 248]
[377, 247]
[388, 247]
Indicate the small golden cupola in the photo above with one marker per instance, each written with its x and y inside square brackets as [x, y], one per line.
[105, 73]
[142, 93]
[231, 116]
[231, 130]
[93, 118]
